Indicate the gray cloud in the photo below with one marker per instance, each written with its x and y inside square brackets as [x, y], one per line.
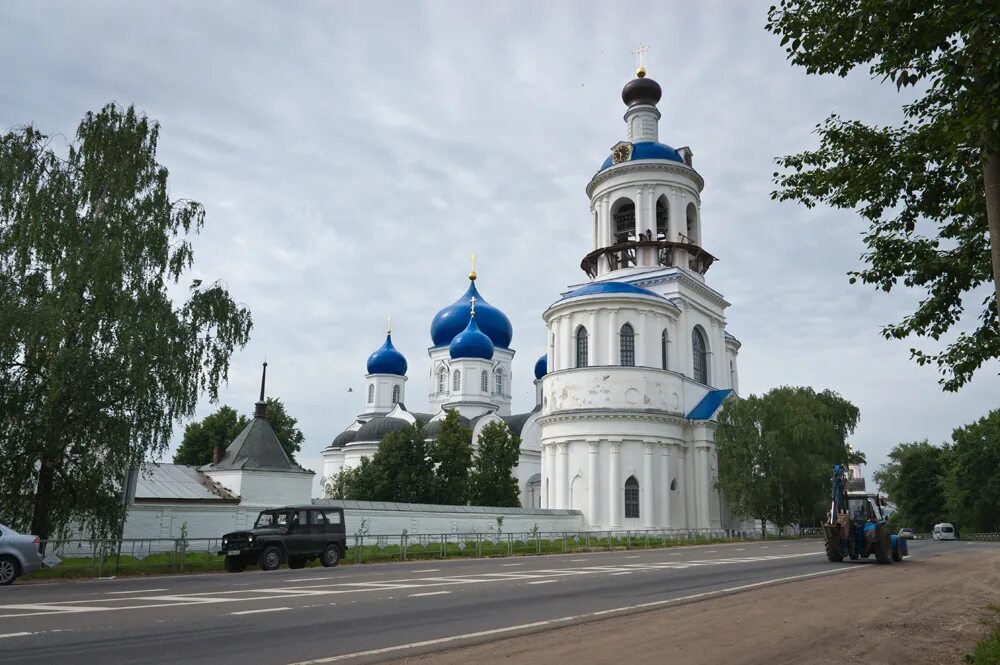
[351, 156]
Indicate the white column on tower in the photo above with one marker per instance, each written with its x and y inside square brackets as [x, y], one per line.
[613, 492]
[562, 476]
[646, 510]
[592, 342]
[612, 336]
[641, 341]
[593, 483]
[665, 521]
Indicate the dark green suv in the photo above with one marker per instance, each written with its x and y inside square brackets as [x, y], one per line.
[292, 535]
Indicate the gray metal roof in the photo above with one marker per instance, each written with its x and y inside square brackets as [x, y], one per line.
[257, 448]
[437, 508]
[166, 482]
[515, 423]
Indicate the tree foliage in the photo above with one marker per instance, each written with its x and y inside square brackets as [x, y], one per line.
[201, 438]
[221, 427]
[97, 360]
[777, 451]
[913, 478]
[492, 481]
[972, 485]
[451, 453]
[929, 189]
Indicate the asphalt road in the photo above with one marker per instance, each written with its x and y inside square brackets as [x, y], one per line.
[369, 613]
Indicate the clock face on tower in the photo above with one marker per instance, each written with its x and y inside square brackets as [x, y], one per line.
[621, 152]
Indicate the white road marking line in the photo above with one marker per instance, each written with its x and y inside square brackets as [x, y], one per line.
[675, 554]
[270, 609]
[632, 557]
[577, 560]
[428, 570]
[539, 624]
[764, 547]
[627, 572]
[711, 551]
[784, 545]
[428, 593]
[21, 634]
[740, 549]
[543, 582]
[115, 593]
[512, 564]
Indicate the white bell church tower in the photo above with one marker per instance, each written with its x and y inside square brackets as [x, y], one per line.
[638, 358]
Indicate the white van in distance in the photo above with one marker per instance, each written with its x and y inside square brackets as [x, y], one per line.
[944, 531]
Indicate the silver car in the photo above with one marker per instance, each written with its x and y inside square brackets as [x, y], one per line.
[18, 555]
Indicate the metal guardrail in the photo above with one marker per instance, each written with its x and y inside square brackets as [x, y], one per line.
[985, 537]
[81, 558]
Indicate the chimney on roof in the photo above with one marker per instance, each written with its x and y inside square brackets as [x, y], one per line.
[261, 410]
[217, 454]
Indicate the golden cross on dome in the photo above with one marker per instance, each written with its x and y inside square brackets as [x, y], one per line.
[472, 270]
[640, 53]
[472, 306]
[388, 325]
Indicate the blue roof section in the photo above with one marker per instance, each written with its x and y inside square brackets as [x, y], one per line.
[648, 150]
[609, 288]
[471, 343]
[387, 360]
[709, 404]
[542, 366]
[453, 319]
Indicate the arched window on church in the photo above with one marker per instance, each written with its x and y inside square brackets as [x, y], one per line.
[581, 347]
[456, 381]
[626, 346]
[692, 223]
[699, 349]
[623, 213]
[664, 342]
[395, 394]
[498, 380]
[442, 380]
[484, 381]
[631, 498]
[371, 393]
[662, 218]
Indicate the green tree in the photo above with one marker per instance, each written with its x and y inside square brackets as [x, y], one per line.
[972, 485]
[201, 438]
[492, 482]
[777, 451]
[98, 359]
[913, 478]
[285, 427]
[221, 427]
[451, 453]
[403, 470]
[929, 189]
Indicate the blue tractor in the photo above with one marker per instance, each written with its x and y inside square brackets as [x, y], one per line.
[856, 527]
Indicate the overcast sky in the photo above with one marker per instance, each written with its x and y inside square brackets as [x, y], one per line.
[352, 155]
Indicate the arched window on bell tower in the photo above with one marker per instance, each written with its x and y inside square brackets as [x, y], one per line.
[691, 215]
[581, 347]
[623, 216]
[662, 218]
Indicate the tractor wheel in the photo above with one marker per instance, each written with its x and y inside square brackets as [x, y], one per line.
[235, 564]
[896, 556]
[834, 554]
[883, 551]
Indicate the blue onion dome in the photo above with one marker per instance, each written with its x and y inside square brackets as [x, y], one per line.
[609, 288]
[471, 342]
[542, 366]
[387, 360]
[454, 318]
[647, 150]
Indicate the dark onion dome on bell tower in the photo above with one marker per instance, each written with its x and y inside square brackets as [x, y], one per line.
[387, 360]
[542, 366]
[471, 342]
[641, 90]
[454, 318]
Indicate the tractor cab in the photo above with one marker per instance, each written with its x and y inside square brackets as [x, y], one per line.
[864, 507]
